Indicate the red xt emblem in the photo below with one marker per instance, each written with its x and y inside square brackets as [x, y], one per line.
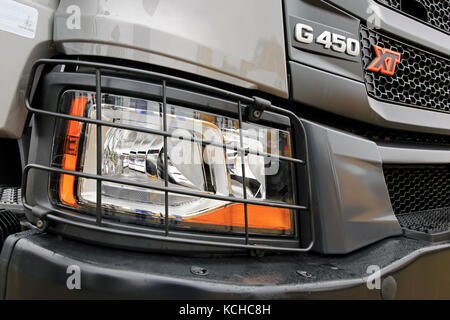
[385, 62]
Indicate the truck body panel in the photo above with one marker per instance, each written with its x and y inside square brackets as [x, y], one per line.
[200, 37]
[17, 56]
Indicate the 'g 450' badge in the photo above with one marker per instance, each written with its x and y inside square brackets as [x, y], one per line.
[385, 62]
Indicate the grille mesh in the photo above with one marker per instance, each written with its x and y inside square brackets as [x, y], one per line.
[391, 3]
[420, 195]
[421, 79]
[437, 11]
[431, 221]
[396, 136]
[10, 196]
[9, 224]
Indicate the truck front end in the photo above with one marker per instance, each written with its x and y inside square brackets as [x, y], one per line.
[225, 150]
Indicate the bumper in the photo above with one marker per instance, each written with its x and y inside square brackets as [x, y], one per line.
[35, 266]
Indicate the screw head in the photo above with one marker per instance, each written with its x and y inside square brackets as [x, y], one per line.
[256, 114]
[40, 224]
[304, 274]
[199, 271]
[388, 288]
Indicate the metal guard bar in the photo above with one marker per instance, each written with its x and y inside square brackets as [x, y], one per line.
[99, 178]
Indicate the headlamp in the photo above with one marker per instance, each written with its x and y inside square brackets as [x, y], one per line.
[215, 169]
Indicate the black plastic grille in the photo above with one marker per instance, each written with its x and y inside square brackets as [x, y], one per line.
[421, 79]
[418, 188]
[430, 221]
[436, 12]
[9, 224]
[420, 195]
[391, 3]
[10, 196]
[384, 135]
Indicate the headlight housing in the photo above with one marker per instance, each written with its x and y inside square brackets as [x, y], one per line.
[208, 169]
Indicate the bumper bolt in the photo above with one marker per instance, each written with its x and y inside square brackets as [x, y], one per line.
[40, 224]
[256, 114]
[199, 271]
[388, 288]
[304, 274]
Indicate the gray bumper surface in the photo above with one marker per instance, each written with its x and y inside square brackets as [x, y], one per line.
[35, 266]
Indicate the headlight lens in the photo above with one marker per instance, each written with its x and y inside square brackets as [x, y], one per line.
[209, 169]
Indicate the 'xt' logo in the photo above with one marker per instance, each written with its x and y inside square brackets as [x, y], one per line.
[385, 62]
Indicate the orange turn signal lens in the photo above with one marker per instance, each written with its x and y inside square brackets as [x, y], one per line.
[70, 155]
[259, 217]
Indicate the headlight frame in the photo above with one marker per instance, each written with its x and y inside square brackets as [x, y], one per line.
[155, 86]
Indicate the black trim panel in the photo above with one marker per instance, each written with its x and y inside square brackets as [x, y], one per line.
[116, 274]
